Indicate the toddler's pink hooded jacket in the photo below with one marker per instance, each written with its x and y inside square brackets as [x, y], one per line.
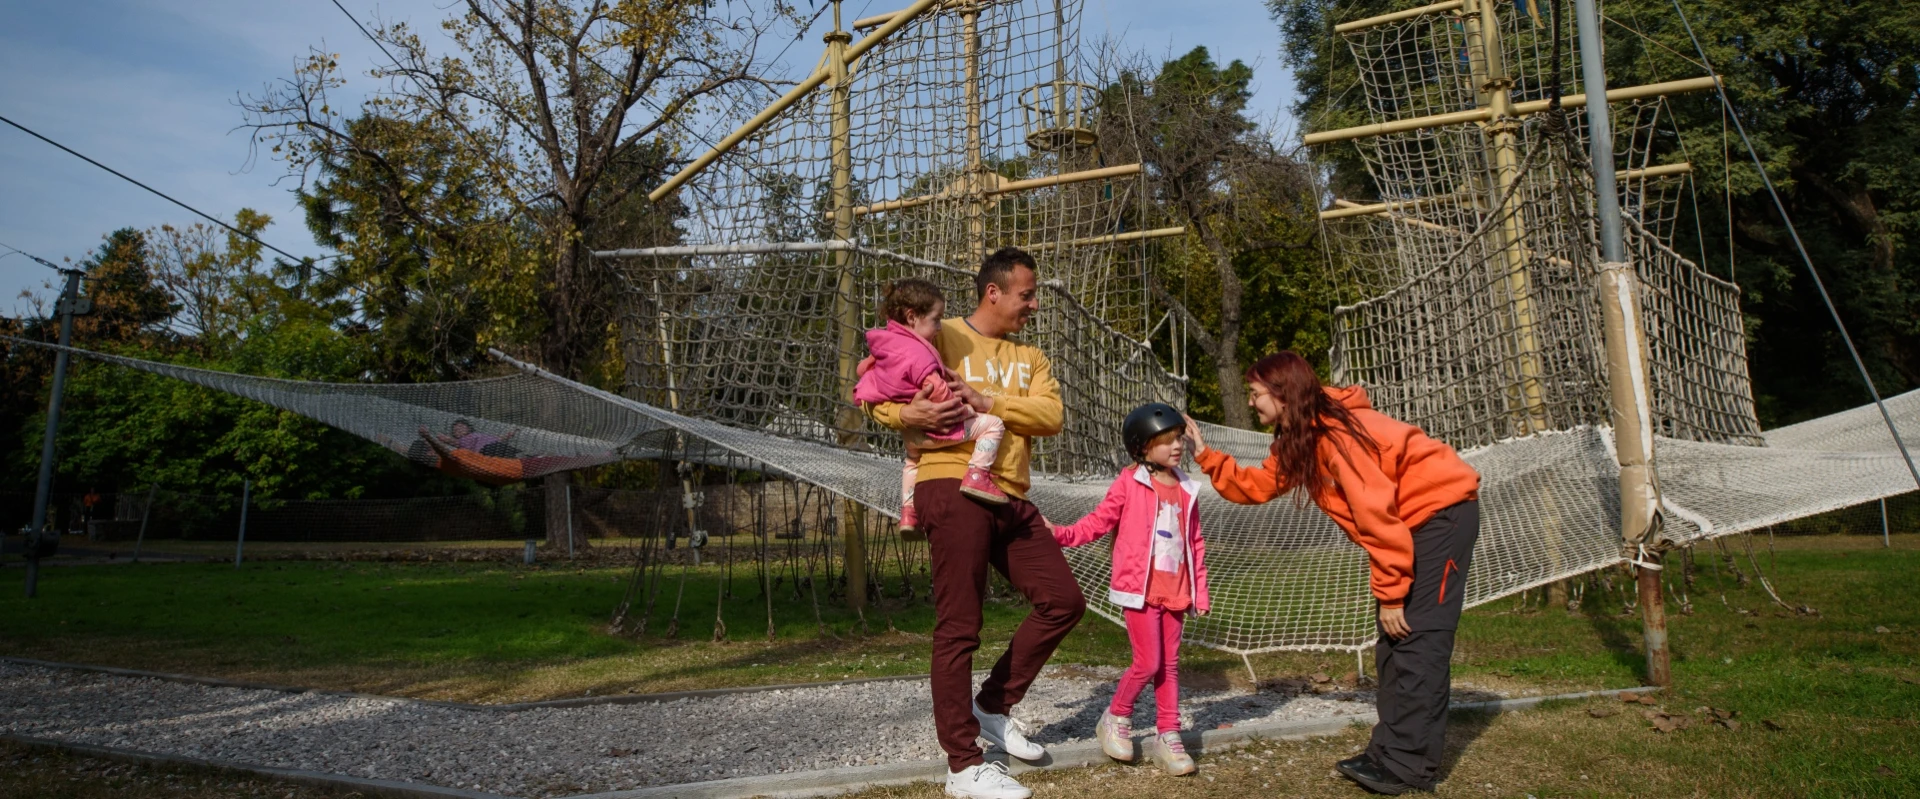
[1129, 511]
[902, 360]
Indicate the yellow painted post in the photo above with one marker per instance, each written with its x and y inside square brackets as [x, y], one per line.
[975, 181]
[846, 314]
[1495, 93]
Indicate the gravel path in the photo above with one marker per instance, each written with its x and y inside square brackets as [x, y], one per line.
[557, 752]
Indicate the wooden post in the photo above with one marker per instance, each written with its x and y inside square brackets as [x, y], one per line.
[846, 313]
[1487, 65]
[976, 180]
[1653, 620]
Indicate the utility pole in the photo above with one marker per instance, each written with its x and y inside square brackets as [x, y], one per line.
[1632, 412]
[71, 304]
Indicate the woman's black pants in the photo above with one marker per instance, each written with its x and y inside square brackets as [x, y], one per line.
[1414, 671]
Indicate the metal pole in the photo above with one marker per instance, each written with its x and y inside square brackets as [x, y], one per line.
[68, 305]
[569, 499]
[1631, 411]
[1886, 534]
[246, 498]
[146, 511]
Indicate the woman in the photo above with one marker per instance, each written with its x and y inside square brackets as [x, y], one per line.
[1412, 503]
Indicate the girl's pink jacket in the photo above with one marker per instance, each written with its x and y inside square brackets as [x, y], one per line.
[1128, 512]
[902, 360]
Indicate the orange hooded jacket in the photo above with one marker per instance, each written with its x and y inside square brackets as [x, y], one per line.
[1379, 500]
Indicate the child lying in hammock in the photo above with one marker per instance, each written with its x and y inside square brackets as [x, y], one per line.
[435, 452]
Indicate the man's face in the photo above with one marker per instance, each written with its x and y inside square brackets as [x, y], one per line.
[1014, 304]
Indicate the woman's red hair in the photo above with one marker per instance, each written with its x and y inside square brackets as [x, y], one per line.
[1307, 415]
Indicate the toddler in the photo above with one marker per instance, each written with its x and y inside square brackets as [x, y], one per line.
[904, 360]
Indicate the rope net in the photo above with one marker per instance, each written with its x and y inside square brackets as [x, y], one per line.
[1471, 311]
[966, 130]
[1471, 303]
[1283, 576]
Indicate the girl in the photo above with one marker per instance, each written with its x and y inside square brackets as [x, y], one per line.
[1412, 503]
[1159, 573]
[903, 360]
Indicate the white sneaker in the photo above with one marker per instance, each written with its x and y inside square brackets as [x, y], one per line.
[1005, 733]
[1115, 735]
[988, 780]
[1167, 750]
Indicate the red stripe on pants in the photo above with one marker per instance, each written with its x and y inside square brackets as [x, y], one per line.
[965, 538]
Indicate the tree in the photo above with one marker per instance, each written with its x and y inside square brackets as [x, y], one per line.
[546, 99]
[1828, 92]
[427, 264]
[1242, 200]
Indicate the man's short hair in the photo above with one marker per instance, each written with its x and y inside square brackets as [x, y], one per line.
[997, 269]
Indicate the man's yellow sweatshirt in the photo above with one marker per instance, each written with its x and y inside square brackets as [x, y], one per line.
[1018, 377]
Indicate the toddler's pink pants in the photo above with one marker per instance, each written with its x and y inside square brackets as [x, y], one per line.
[1155, 634]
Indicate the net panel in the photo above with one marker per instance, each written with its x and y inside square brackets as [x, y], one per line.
[754, 322]
[1471, 304]
[1283, 576]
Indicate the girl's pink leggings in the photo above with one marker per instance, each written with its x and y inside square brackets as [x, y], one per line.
[1155, 634]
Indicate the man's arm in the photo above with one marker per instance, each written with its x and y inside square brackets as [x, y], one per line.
[1039, 413]
[919, 414]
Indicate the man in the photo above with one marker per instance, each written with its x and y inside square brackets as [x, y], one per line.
[1015, 382]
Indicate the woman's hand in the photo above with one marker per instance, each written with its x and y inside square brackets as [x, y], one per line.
[1193, 434]
[1394, 622]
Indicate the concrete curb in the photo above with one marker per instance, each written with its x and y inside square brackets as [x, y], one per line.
[387, 789]
[515, 707]
[829, 782]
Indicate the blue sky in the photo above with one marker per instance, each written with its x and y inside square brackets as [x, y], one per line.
[149, 88]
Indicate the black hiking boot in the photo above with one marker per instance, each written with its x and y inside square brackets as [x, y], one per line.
[1372, 776]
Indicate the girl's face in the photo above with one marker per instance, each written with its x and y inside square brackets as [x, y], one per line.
[1166, 453]
[1264, 405]
[927, 326]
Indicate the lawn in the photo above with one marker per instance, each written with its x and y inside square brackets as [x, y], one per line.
[1827, 701]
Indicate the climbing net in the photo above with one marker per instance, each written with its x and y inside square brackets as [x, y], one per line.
[966, 130]
[1471, 303]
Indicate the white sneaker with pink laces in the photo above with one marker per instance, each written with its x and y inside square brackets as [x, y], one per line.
[1170, 753]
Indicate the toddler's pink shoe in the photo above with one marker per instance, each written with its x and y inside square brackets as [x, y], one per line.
[979, 485]
[909, 518]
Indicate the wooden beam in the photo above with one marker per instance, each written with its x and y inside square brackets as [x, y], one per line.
[1347, 208]
[1113, 238]
[794, 95]
[1519, 109]
[1370, 22]
[1003, 187]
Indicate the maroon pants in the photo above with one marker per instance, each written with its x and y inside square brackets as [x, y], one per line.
[965, 537]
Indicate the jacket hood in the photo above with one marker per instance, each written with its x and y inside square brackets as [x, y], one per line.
[1353, 398]
[1143, 477]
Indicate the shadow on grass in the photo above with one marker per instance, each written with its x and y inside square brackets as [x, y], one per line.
[1464, 727]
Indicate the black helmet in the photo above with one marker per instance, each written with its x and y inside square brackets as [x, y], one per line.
[1147, 421]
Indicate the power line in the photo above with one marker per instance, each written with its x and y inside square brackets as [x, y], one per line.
[162, 195]
[31, 257]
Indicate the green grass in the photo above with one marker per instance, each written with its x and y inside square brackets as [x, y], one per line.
[471, 631]
[1842, 698]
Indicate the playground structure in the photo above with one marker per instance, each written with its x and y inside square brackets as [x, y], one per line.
[1479, 306]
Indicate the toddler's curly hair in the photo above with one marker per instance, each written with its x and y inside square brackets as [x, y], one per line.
[910, 296]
